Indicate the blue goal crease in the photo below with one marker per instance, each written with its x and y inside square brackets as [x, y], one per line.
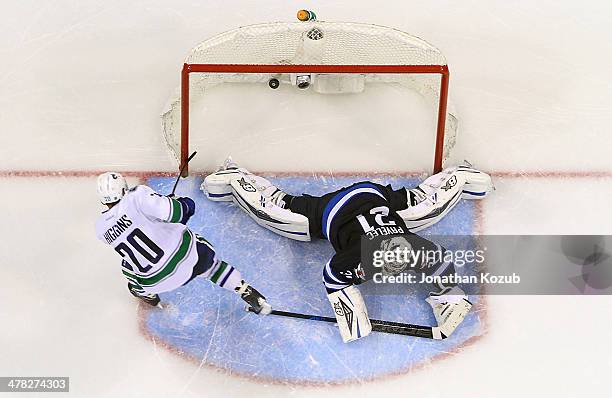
[204, 320]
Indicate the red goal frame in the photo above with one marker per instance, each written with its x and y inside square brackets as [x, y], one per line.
[442, 70]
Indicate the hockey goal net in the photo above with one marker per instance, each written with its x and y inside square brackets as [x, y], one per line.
[329, 57]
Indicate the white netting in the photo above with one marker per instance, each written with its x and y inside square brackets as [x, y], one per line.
[322, 43]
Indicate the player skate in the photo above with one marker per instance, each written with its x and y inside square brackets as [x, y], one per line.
[450, 306]
[362, 209]
[159, 252]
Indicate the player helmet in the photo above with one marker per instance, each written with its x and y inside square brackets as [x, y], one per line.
[111, 187]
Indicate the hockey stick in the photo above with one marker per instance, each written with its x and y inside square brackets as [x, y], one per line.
[178, 177]
[405, 329]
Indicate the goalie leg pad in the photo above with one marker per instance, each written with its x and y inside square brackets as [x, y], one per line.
[432, 199]
[477, 185]
[217, 186]
[267, 214]
[438, 194]
[351, 313]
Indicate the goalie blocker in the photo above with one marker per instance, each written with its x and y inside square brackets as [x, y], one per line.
[351, 313]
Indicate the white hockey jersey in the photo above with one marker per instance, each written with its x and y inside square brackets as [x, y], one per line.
[144, 229]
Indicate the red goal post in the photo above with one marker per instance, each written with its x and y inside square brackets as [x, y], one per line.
[397, 57]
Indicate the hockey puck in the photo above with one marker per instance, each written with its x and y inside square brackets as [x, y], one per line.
[273, 83]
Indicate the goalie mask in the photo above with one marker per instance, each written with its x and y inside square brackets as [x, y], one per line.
[397, 265]
[111, 187]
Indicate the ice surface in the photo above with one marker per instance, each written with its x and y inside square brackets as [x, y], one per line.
[82, 85]
[210, 326]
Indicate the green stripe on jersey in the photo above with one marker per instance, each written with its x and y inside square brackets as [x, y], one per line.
[219, 272]
[130, 277]
[128, 274]
[177, 210]
[170, 266]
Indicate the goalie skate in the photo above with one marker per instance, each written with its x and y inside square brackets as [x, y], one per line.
[477, 185]
[216, 186]
[450, 307]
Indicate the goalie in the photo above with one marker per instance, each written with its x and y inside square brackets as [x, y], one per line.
[344, 216]
[159, 252]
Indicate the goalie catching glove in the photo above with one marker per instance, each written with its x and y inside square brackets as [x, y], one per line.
[450, 307]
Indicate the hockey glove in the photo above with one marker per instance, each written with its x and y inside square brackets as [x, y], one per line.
[254, 299]
[188, 206]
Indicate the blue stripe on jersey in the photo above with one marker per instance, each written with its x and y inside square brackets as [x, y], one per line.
[332, 287]
[327, 273]
[226, 276]
[338, 201]
[331, 282]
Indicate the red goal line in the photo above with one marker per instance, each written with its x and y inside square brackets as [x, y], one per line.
[157, 173]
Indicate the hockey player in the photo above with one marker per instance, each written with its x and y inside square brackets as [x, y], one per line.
[344, 216]
[159, 252]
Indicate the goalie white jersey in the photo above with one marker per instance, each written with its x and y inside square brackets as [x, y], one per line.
[159, 253]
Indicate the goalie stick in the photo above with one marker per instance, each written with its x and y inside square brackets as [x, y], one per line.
[405, 329]
[178, 177]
